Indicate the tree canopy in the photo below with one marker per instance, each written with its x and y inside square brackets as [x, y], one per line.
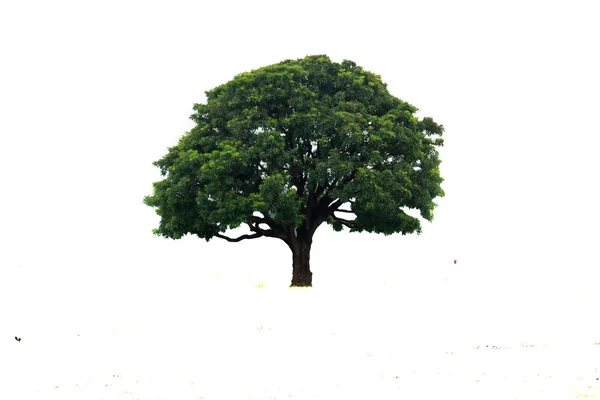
[287, 147]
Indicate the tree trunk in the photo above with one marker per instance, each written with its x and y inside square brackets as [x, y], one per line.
[301, 275]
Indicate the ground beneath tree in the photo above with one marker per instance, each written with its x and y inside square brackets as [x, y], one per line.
[253, 341]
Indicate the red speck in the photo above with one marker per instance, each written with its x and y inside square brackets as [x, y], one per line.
[454, 261]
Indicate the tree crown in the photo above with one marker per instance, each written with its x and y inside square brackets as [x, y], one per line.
[284, 147]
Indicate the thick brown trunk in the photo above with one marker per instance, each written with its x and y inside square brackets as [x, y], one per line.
[301, 275]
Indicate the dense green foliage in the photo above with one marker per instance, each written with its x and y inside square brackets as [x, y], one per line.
[283, 148]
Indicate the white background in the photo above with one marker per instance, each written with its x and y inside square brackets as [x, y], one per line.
[91, 93]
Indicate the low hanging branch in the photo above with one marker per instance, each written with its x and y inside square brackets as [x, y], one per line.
[238, 239]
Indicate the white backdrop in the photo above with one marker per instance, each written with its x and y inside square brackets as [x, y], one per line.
[91, 93]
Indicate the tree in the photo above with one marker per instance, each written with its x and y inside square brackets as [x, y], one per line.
[288, 147]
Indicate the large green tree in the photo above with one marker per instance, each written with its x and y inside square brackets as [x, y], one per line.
[288, 147]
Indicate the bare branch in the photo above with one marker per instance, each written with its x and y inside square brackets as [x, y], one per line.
[335, 205]
[238, 239]
[344, 211]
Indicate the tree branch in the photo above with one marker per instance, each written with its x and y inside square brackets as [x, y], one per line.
[345, 222]
[334, 182]
[276, 230]
[334, 206]
[346, 181]
[324, 199]
[238, 239]
[318, 219]
[298, 182]
[253, 219]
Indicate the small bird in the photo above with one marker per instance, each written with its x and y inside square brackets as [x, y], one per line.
[18, 339]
